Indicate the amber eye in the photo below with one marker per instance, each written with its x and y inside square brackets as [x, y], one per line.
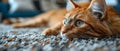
[65, 21]
[79, 23]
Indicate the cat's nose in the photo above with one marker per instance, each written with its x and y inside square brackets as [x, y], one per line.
[66, 29]
[63, 31]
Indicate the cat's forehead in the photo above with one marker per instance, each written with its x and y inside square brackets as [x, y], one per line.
[75, 14]
[72, 16]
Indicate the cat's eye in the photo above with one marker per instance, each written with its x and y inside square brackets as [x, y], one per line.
[65, 21]
[79, 23]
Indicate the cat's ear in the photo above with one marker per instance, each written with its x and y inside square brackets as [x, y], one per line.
[98, 8]
[71, 5]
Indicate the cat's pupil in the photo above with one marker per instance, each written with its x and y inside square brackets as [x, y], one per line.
[79, 23]
[65, 21]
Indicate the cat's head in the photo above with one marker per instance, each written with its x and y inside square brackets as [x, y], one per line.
[86, 20]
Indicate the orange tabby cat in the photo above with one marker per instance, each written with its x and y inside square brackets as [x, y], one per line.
[93, 19]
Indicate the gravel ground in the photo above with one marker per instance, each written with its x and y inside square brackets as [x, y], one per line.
[31, 39]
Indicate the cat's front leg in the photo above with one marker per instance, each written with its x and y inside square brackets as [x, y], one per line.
[54, 30]
[50, 31]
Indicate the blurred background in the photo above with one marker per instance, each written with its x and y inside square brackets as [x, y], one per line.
[30, 8]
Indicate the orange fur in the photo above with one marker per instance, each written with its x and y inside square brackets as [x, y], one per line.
[107, 25]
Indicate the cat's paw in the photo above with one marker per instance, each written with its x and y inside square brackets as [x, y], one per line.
[49, 32]
[17, 25]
